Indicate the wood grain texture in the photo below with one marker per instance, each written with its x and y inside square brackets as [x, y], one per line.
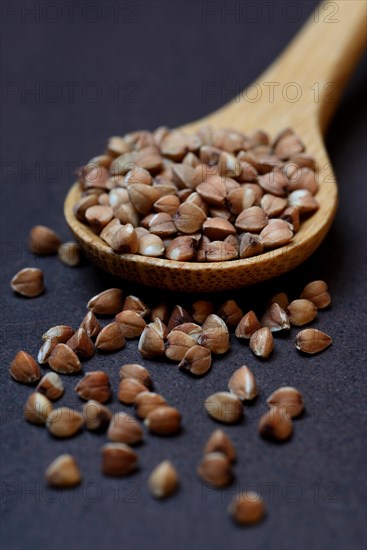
[308, 79]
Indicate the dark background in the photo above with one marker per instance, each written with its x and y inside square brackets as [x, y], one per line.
[138, 65]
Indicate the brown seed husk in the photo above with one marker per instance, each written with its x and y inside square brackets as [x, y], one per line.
[124, 240]
[241, 198]
[242, 383]
[111, 338]
[197, 360]
[303, 178]
[189, 218]
[82, 206]
[43, 240]
[95, 385]
[275, 318]
[63, 472]
[217, 229]
[95, 174]
[161, 312]
[24, 368]
[143, 197]
[301, 312]
[201, 309]
[81, 344]
[167, 204]
[250, 245]
[215, 469]
[109, 230]
[230, 312]
[139, 373]
[37, 408]
[70, 254]
[117, 146]
[28, 282]
[220, 251]
[161, 224]
[312, 341]
[181, 249]
[91, 325]
[274, 182]
[291, 215]
[287, 398]
[108, 302]
[287, 143]
[96, 416]
[51, 386]
[163, 420]
[192, 329]
[131, 322]
[248, 325]
[276, 233]
[179, 316]
[118, 459]
[151, 245]
[128, 389]
[60, 333]
[224, 407]
[247, 508]
[151, 343]
[272, 205]
[304, 201]
[163, 481]
[317, 292]
[133, 303]
[63, 360]
[45, 350]
[177, 344]
[147, 401]
[215, 335]
[213, 191]
[281, 299]
[252, 219]
[160, 328]
[124, 428]
[262, 342]
[202, 249]
[64, 422]
[219, 442]
[275, 425]
[98, 216]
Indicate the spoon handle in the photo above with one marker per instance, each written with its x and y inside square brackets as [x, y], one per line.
[319, 61]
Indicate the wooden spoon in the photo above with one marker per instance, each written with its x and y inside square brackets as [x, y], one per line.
[301, 90]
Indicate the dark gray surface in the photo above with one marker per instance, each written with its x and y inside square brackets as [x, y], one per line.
[315, 485]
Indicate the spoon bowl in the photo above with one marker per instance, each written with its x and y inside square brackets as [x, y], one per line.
[299, 90]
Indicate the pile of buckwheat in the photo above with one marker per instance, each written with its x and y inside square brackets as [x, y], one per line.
[211, 196]
[191, 338]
